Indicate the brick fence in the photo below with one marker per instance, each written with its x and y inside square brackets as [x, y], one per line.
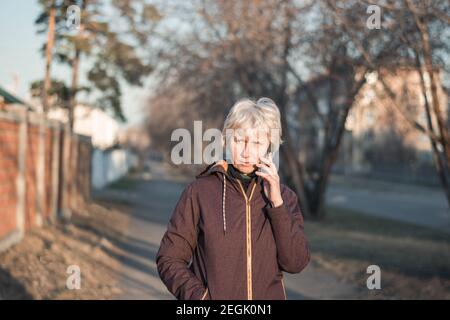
[44, 173]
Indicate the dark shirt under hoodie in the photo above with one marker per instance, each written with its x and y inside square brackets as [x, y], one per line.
[246, 179]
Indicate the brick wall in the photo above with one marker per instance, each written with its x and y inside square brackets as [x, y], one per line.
[8, 174]
[44, 173]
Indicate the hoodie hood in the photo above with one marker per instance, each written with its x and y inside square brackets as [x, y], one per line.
[220, 166]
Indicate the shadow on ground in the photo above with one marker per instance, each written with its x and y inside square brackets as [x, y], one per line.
[11, 289]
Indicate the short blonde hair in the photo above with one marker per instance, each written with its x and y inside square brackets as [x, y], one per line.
[263, 114]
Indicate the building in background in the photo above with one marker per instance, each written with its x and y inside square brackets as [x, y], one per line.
[110, 159]
[378, 140]
[93, 122]
[8, 100]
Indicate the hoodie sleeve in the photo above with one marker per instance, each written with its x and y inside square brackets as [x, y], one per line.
[177, 246]
[287, 225]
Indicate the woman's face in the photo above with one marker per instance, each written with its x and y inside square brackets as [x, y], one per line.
[247, 146]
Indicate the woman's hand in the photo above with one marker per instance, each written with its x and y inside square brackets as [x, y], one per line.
[271, 180]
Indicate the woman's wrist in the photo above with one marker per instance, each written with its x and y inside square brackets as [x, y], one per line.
[277, 203]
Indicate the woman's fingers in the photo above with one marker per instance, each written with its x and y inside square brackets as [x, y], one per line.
[269, 163]
[262, 174]
[265, 168]
[265, 176]
[270, 167]
[269, 177]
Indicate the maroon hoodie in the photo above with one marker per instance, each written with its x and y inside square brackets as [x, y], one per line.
[225, 243]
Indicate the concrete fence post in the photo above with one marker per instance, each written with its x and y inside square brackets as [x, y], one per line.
[74, 172]
[66, 174]
[40, 173]
[56, 149]
[21, 168]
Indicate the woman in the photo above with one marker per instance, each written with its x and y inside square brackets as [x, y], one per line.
[236, 228]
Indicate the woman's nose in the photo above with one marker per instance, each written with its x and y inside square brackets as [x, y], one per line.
[245, 151]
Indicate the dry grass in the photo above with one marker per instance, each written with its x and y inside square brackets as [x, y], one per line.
[414, 260]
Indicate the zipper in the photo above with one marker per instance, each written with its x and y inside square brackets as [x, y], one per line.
[204, 294]
[284, 289]
[248, 233]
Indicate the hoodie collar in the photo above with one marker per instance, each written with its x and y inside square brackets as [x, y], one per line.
[222, 167]
[218, 166]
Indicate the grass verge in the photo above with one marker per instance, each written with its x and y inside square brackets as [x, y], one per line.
[414, 260]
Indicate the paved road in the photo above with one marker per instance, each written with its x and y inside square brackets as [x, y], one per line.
[152, 204]
[419, 205]
[153, 201]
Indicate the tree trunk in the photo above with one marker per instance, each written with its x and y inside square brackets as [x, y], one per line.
[75, 72]
[294, 169]
[423, 28]
[48, 58]
[334, 131]
[74, 87]
[317, 196]
[294, 178]
[434, 95]
[442, 159]
[442, 166]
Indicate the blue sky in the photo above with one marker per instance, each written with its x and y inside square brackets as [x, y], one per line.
[20, 57]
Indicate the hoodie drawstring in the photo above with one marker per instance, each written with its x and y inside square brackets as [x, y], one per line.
[223, 204]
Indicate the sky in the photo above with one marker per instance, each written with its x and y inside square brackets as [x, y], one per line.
[21, 61]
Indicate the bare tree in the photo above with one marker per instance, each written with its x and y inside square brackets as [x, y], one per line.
[275, 48]
[49, 55]
[420, 29]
